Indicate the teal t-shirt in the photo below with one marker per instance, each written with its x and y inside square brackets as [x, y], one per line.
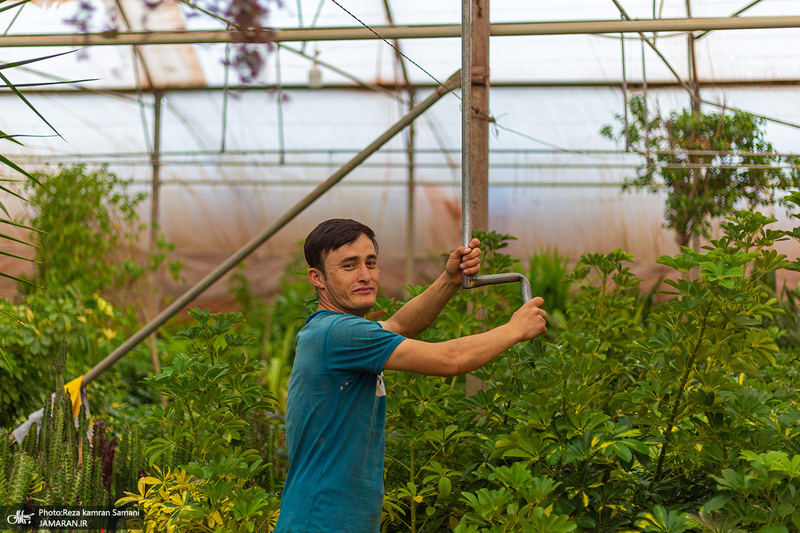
[335, 426]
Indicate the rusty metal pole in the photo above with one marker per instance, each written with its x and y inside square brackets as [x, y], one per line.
[479, 115]
[479, 133]
[155, 205]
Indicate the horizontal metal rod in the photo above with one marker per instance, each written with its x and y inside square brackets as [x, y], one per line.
[125, 92]
[237, 257]
[388, 165]
[217, 155]
[111, 38]
[497, 279]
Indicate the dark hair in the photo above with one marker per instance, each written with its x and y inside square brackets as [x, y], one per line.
[333, 234]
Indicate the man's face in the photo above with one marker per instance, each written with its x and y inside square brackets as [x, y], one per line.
[350, 282]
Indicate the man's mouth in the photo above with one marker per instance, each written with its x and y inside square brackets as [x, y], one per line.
[364, 290]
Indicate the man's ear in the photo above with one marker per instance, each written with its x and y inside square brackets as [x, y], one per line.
[316, 277]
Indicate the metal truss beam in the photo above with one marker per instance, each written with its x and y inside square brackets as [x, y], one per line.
[401, 32]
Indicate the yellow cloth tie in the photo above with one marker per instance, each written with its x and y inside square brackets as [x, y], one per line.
[74, 390]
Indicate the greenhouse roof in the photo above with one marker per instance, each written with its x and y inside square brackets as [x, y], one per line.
[232, 156]
[722, 56]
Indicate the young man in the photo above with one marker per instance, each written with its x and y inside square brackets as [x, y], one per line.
[337, 400]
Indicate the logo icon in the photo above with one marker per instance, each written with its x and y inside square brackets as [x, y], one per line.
[19, 518]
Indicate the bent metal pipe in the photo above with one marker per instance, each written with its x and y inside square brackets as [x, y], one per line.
[470, 282]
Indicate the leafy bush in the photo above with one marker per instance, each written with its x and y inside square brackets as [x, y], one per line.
[86, 257]
[673, 418]
[89, 229]
[30, 336]
[204, 475]
[707, 163]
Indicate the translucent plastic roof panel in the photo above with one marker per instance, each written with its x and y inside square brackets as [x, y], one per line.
[724, 55]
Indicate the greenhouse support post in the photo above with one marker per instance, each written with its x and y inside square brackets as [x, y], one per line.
[155, 205]
[186, 298]
[471, 282]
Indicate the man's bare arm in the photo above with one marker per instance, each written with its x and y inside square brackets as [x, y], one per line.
[420, 312]
[463, 355]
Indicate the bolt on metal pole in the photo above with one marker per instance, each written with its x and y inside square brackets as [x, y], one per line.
[470, 282]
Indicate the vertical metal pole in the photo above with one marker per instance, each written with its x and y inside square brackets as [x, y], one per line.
[155, 204]
[695, 85]
[411, 230]
[466, 125]
[479, 102]
[625, 93]
[280, 105]
[224, 134]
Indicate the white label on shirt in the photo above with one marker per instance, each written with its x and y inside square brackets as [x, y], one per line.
[381, 389]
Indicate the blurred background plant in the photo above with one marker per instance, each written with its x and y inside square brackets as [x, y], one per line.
[88, 278]
[682, 159]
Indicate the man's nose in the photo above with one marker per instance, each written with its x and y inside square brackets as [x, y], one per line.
[363, 273]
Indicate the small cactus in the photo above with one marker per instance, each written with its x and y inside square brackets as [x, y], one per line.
[21, 478]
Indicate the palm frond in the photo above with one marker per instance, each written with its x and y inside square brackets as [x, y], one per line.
[15, 256]
[18, 225]
[4, 66]
[45, 83]
[10, 238]
[20, 280]
[17, 91]
[7, 161]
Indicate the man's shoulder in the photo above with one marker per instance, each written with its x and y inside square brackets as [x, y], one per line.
[340, 328]
[327, 319]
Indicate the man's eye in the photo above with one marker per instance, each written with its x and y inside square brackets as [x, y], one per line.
[372, 264]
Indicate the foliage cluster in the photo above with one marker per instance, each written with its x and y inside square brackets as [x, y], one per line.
[679, 417]
[683, 418]
[204, 475]
[88, 230]
[707, 163]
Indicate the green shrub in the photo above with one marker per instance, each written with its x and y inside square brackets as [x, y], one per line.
[672, 418]
[204, 476]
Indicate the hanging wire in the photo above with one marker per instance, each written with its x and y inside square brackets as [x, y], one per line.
[314, 21]
[390, 44]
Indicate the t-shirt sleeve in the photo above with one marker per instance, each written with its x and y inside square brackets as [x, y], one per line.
[357, 345]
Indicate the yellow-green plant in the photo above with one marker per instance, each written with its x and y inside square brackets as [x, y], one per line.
[209, 484]
[174, 500]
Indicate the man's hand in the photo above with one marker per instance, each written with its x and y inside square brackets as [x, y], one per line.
[464, 259]
[529, 320]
